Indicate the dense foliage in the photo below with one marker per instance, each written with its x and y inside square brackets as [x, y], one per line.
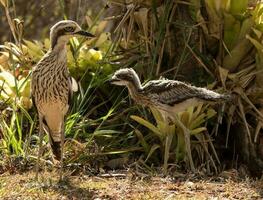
[210, 43]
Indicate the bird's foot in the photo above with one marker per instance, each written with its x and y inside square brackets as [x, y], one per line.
[37, 174]
[56, 163]
[37, 177]
[61, 177]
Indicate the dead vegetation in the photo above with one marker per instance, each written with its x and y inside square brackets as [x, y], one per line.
[210, 43]
[129, 185]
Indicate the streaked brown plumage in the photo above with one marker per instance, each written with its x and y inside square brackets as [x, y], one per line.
[167, 96]
[50, 92]
[51, 86]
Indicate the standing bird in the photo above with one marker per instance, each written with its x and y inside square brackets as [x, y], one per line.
[52, 87]
[167, 96]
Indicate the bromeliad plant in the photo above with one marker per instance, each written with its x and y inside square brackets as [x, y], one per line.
[89, 66]
[171, 139]
[14, 76]
[232, 32]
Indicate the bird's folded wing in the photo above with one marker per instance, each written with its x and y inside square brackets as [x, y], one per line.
[74, 85]
[169, 92]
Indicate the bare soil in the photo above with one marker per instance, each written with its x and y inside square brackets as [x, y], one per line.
[127, 185]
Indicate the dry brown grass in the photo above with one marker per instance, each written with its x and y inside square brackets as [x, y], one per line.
[125, 186]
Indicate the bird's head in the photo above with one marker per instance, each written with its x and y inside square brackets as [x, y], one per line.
[62, 31]
[126, 77]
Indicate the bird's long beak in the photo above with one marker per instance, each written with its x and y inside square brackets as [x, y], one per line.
[85, 33]
[113, 79]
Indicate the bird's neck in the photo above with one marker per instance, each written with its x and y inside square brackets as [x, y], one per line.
[134, 90]
[135, 83]
[59, 51]
[59, 48]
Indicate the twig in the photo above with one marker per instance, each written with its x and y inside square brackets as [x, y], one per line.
[11, 24]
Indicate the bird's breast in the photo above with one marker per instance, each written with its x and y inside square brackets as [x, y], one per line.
[182, 106]
[50, 83]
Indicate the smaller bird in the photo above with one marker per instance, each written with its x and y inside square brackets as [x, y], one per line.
[167, 96]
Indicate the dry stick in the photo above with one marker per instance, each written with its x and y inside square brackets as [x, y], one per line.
[244, 96]
[200, 61]
[160, 59]
[219, 117]
[183, 53]
[259, 126]
[202, 142]
[231, 111]
[168, 33]
[125, 17]
[212, 146]
[168, 142]
[187, 142]
[244, 119]
[146, 32]
[130, 26]
[11, 24]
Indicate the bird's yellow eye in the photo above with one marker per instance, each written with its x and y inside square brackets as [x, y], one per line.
[69, 29]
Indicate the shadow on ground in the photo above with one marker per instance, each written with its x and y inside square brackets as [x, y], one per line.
[227, 185]
[69, 190]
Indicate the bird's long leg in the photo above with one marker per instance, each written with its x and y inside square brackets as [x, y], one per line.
[41, 135]
[174, 117]
[168, 142]
[187, 140]
[62, 150]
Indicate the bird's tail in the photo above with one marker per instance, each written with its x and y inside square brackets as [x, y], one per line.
[209, 95]
[56, 148]
[54, 140]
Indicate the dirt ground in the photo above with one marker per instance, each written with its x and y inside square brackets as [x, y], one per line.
[126, 185]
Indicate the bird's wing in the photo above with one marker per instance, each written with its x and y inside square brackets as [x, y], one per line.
[73, 87]
[169, 92]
